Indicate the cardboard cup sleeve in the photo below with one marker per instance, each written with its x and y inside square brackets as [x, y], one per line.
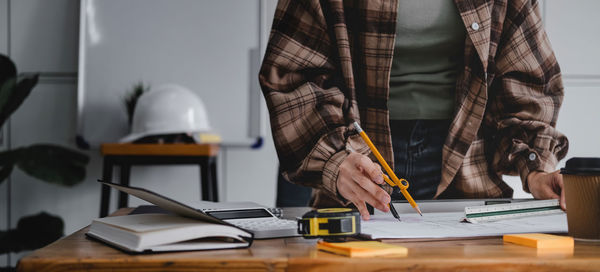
[582, 194]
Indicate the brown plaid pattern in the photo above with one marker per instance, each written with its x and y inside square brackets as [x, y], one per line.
[328, 63]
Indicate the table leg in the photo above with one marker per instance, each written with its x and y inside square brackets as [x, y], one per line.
[125, 173]
[204, 179]
[214, 189]
[107, 171]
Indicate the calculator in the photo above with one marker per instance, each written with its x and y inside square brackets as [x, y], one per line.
[260, 221]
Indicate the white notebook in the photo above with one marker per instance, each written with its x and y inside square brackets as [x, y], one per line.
[165, 232]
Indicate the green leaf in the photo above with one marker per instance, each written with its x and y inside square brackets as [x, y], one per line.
[17, 96]
[8, 157]
[6, 90]
[7, 162]
[7, 69]
[5, 172]
[53, 164]
[32, 232]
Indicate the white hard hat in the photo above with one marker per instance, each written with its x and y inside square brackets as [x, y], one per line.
[168, 109]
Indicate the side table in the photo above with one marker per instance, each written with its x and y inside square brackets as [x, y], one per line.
[126, 155]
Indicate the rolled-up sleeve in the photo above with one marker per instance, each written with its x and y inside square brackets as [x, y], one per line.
[307, 105]
[526, 96]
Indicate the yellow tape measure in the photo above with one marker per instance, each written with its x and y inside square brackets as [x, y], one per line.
[337, 222]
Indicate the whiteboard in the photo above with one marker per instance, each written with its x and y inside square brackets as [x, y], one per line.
[210, 47]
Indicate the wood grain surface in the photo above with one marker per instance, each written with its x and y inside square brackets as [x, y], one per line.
[160, 149]
[78, 253]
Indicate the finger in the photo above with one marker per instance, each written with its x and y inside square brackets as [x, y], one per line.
[362, 209]
[554, 184]
[544, 191]
[549, 193]
[350, 190]
[370, 192]
[364, 195]
[558, 181]
[345, 190]
[560, 187]
[544, 185]
[368, 185]
[375, 173]
[371, 169]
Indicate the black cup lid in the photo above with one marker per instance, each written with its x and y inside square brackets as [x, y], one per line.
[582, 166]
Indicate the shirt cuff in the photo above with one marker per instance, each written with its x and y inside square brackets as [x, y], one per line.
[531, 160]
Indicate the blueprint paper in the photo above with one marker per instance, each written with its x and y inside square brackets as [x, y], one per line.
[450, 224]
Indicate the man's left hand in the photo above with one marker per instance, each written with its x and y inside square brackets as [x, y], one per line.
[544, 185]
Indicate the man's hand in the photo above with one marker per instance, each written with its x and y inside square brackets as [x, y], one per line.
[357, 182]
[544, 185]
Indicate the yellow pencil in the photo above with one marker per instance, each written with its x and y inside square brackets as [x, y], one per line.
[401, 183]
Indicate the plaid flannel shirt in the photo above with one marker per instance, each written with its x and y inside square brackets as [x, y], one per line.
[328, 62]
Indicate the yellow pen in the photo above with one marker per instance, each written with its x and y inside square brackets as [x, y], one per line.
[401, 183]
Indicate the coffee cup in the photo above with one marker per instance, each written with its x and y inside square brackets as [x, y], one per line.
[581, 179]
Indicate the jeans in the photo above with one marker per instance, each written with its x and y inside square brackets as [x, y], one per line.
[291, 194]
[417, 148]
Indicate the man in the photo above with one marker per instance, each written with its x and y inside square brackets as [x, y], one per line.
[331, 62]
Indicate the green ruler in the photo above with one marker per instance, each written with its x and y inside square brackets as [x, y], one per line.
[495, 212]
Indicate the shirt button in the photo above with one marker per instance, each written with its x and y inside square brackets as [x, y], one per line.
[532, 156]
[475, 26]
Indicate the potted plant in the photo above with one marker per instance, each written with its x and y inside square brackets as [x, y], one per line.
[47, 162]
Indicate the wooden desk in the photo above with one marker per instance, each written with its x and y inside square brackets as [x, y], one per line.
[125, 155]
[78, 253]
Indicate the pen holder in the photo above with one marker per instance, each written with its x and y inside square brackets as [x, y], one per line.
[581, 178]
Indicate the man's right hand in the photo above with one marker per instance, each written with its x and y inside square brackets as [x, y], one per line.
[357, 182]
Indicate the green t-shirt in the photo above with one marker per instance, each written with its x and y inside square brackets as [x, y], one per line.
[428, 52]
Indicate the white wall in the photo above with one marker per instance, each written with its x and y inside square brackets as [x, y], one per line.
[572, 28]
[43, 37]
